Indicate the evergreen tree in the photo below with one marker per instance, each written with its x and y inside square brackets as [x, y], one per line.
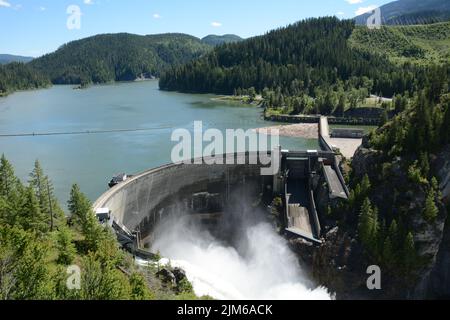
[389, 255]
[368, 226]
[64, 244]
[43, 190]
[31, 217]
[8, 181]
[430, 211]
[340, 109]
[84, 218]
[139, 288]
[409, 253]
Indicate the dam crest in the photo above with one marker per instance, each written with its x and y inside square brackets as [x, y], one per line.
[206, 192]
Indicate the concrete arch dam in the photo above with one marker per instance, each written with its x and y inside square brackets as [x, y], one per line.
[139, 204]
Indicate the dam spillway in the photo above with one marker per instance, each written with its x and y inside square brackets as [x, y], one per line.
[139, 204]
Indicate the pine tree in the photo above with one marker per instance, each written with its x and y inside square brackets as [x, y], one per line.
[139, 288]
[8, 181]
[79, 207]
[389, 256]
[368, 227]
[409, 253]
[43, 190]
[340, 109]
[84, 218]
[31, 217]
[431, 211]
[64, 244]
[365, 186]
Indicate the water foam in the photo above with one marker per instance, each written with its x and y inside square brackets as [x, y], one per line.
[262, 267]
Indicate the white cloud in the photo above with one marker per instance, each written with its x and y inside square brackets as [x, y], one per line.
[354, 1]
[88, 2]
[156, 16]
[4, 3]
[340, 13]
[42, 8]
[216, 24]
[363, 10]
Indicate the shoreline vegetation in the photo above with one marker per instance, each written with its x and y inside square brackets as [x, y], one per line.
[241, 99]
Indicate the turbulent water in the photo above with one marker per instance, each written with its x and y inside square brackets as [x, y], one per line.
[260, 267]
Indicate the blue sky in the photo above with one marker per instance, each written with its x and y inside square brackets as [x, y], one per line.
[36, 27]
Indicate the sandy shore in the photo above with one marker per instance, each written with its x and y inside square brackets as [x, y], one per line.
[301, 130]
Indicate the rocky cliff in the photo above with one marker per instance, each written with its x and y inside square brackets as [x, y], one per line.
[437, 284]
[340, 263]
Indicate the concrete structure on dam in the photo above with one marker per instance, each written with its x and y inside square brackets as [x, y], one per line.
[202, 190]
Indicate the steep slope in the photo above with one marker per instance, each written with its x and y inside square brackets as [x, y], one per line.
[215, 40]
[407, 12]
[311, 53]
[419, 43]
[118, 57]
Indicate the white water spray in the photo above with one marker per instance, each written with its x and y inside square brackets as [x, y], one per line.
[262, 267]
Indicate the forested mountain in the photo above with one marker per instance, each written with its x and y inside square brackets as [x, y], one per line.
[313, 52]
[118, 57]
[215, 40]
[419, 43]
[407, 12]
[307, 59]
[8, 58]
[19, 76]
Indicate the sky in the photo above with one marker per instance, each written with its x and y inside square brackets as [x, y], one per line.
[37, 27]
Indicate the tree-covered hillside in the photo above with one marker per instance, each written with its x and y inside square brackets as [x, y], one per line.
[18, 76]
[41, 249]
[419, 43]
[215, 40]
[312, 53]
[118, 57]
[308, 67]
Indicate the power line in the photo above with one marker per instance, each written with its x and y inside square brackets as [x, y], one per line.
[34, 134]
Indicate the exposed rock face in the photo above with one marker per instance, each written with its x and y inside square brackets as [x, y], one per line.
[340, 264]
[442, 167]
[179, 274]
[365, 162]
[437, 284]
[337, 264]
[167, 276]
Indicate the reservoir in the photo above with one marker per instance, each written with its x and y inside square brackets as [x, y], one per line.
[90, 160]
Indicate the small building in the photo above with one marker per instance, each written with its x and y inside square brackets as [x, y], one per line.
[347, 133]
[103, 215]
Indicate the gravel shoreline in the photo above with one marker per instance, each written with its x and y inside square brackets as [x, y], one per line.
[300, 130]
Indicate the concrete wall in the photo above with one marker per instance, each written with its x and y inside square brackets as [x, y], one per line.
[140, 202]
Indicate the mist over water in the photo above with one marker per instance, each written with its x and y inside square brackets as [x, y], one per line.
[259, 265]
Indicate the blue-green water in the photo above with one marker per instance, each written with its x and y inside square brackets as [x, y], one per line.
[91, 160]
